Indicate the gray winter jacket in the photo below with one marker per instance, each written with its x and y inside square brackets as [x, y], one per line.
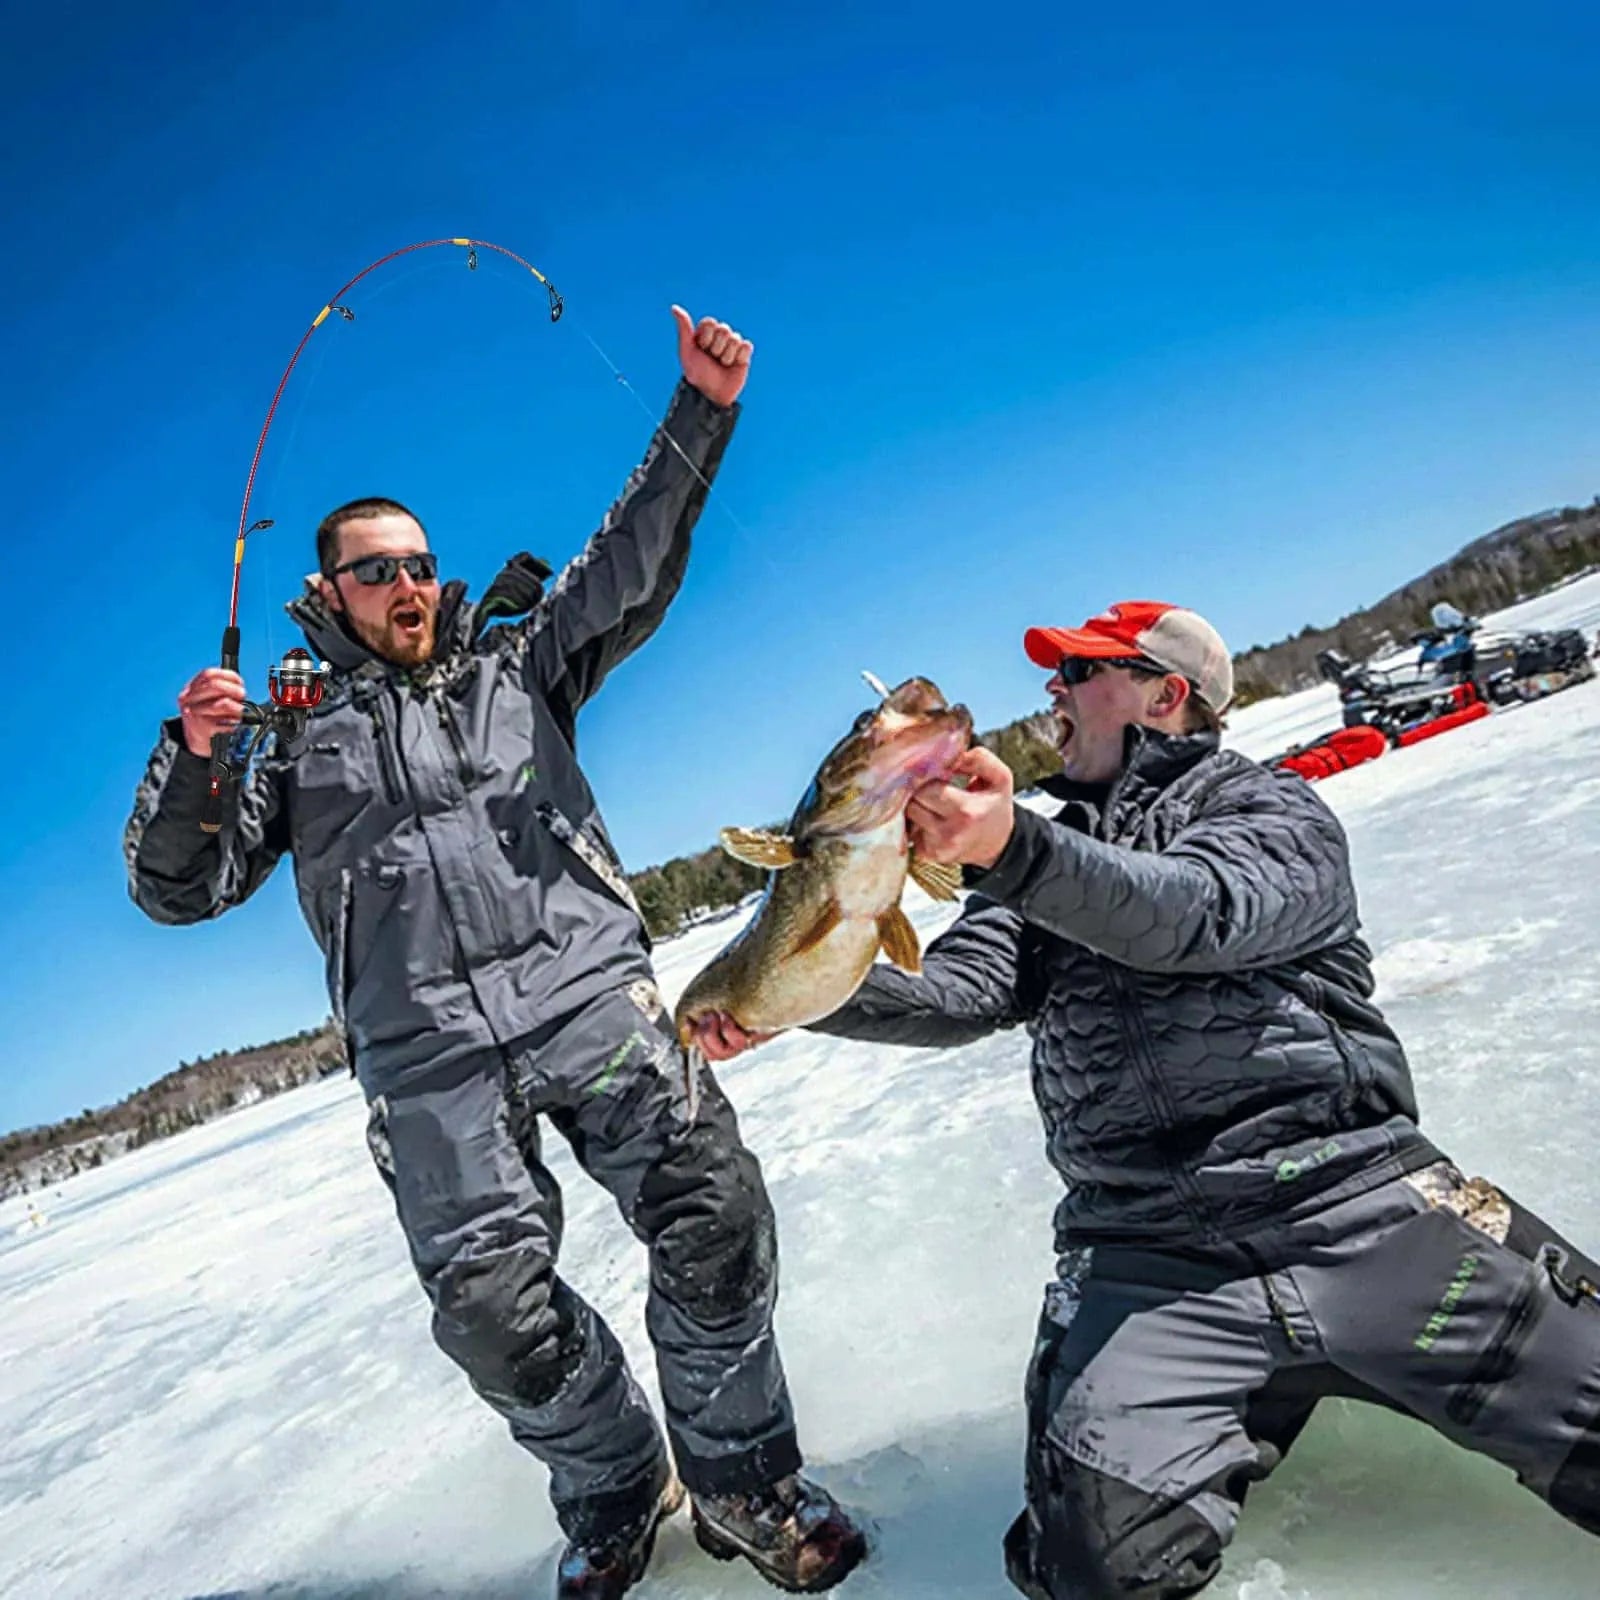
[449, 856]
[1184, 952]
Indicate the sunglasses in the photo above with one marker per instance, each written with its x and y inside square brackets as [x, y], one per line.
[1073, 670]
[423, 567]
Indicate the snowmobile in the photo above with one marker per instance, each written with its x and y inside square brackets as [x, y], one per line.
[1458, 675]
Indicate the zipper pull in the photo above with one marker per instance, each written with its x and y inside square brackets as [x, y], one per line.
[458, 743]
[391, 778]
[1575, 1291]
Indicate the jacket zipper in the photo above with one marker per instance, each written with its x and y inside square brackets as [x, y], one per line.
[1357, 1079]
[1499, 1358]
[457, 743]
[391, 778]
[1137, 1045]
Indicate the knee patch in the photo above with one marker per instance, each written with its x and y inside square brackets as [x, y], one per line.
[1088, 1536]
[714, 1247]
[513, 1331]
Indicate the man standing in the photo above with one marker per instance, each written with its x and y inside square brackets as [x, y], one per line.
[488, 965]
[1253, 1219]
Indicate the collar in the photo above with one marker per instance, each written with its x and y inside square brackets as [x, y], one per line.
[1151, 760]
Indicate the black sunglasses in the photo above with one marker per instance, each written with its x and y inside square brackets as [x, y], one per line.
[423, 567]
[1073, 670]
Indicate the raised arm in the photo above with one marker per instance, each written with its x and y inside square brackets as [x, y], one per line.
[612, 596]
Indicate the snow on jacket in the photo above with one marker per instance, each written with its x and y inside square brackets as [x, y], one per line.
[1184, 951]
[449, 857]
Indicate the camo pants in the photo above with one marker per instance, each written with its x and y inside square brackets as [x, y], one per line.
[482, 1214]
[1164, 1383]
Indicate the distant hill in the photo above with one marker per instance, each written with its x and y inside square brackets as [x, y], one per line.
[195, 1092]
[1512, 563]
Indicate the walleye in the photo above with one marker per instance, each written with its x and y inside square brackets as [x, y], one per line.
[833, 897]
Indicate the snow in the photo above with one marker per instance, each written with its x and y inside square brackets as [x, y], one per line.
[217, 1381]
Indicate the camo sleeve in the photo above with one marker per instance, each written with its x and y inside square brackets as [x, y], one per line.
[612, 596]
[977, 976]
[178, 873]
[1258, 879]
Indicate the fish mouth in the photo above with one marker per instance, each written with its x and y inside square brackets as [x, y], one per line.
[916, 697]
[920, 753]
[903, 759]
[913, 736]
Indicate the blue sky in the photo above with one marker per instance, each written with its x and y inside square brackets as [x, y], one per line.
[1212, 304]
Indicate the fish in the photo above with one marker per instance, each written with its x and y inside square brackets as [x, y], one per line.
[835, 877]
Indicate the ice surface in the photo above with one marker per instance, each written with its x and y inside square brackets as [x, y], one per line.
[216, 1377]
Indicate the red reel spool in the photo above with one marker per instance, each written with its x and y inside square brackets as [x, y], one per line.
[296, 682]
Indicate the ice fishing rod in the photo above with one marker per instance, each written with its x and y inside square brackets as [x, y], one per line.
[295, 686]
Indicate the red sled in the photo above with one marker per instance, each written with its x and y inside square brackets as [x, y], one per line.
[1451, 719]
[1338, 752]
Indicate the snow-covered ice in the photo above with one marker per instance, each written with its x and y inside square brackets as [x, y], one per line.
[217, 1382]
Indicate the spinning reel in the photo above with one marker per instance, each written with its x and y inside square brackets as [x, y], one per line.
[294, 689]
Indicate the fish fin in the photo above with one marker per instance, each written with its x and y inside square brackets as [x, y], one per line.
[820, 929]
[693, 1060]
[941, 879]
[900, 939]
[759, 847]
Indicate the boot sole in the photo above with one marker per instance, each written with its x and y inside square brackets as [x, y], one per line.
[668, 1503]
[721, 1548]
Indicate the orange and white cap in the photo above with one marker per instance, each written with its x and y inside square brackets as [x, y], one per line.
[1175, 639]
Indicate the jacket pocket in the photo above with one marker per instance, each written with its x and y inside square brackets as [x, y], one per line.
[598, 860]
[1499, 1359]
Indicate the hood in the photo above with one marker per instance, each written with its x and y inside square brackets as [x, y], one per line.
[516, 589]
[330, 638]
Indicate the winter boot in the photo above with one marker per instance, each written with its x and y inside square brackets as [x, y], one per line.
[606, 1566]
[792, 1532]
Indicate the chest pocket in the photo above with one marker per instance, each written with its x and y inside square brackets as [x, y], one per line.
[339, 780]
[598, 860]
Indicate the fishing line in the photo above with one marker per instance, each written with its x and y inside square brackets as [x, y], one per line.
[337, 306]
[719, 500]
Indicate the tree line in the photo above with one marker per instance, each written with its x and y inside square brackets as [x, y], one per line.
[194, 1092]
[1513, 563]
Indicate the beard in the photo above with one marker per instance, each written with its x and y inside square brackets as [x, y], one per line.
[405, 636]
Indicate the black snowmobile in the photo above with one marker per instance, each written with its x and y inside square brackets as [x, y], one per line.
[1455, 666]
[1458, 676]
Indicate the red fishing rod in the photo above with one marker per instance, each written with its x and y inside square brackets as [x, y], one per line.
[295, 686]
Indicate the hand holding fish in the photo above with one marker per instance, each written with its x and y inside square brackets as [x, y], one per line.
[970, 825]
[835, 876]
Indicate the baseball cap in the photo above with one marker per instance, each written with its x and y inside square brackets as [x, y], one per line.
[1180, 641]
